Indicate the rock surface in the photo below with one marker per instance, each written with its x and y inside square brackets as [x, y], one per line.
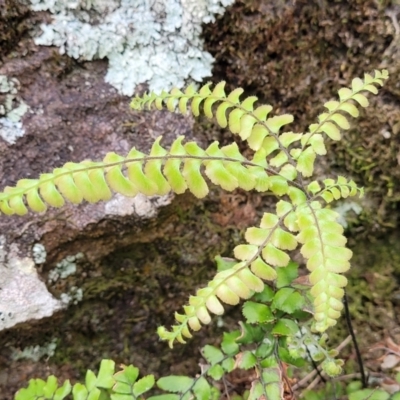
[73, 115]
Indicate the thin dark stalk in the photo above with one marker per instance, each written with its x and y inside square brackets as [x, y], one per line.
[364, 379]
[314, 364]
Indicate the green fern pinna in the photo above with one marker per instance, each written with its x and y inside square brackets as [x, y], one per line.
[282, 163]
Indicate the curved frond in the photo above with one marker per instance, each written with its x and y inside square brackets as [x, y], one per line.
[323, 245]
[335, 190]
[253, 125]
[335, 119]
[241, 117]
[265, 250]
[181, 167]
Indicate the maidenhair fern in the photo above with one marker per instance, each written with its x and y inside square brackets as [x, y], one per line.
[281, 163]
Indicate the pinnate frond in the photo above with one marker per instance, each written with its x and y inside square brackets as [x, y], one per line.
[178, 169]
[335, 190]
[335, 119]
[265, 249]
[241, 117]
[323, 245]
[253, 125]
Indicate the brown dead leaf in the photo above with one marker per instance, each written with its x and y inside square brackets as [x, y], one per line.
[389, 361]
[391, 356]
[390, 385]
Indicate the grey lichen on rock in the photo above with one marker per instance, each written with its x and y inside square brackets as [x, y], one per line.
[35, 353]
[156, 42]
[64, 268]
[12, 108]
[141, 205]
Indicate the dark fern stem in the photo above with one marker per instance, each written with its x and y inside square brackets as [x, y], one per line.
[364, 379]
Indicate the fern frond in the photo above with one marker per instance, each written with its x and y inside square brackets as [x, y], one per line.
[335, 190]
[251, 124]
[254, 126]
[323, 245]
[177, 169]
[335, 119]
[265, 249]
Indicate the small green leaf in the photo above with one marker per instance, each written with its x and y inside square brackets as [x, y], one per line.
[235, 120]
[265, 296]
[51, 386]
[63, 391]
[283, 207]
[285, 327]
[228, 364]
[143, 385]
[286, 275]
[229, 344]
[278, 185]
[266, 349]
[212, 354]
[361, 100]
[345, 93]
[314, 187]
[216, 372]
[90, 380]
[221, 114]
[350, 109]
[331, 130]
[248, 103]
[269, 221]
[263, 270]
[258, 134]
[128, 375]
[208, 106]
[246, 360]
[175, 383]
[280, 159]
[340, 120]
[317, 143]
[250, 333]
[94, 394]
[276, 123]
[274, 256]
[287, 300]
[305, 162]
[79, 392]
[256, 313]
[202, 389]
[105, 376]
[262, 111]
[297, 196]
[245, 251]
[289, 172]
[246, 125]
[235, 95]
[287, 138]
[256, 391]
[327, 196]
[224, 263]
